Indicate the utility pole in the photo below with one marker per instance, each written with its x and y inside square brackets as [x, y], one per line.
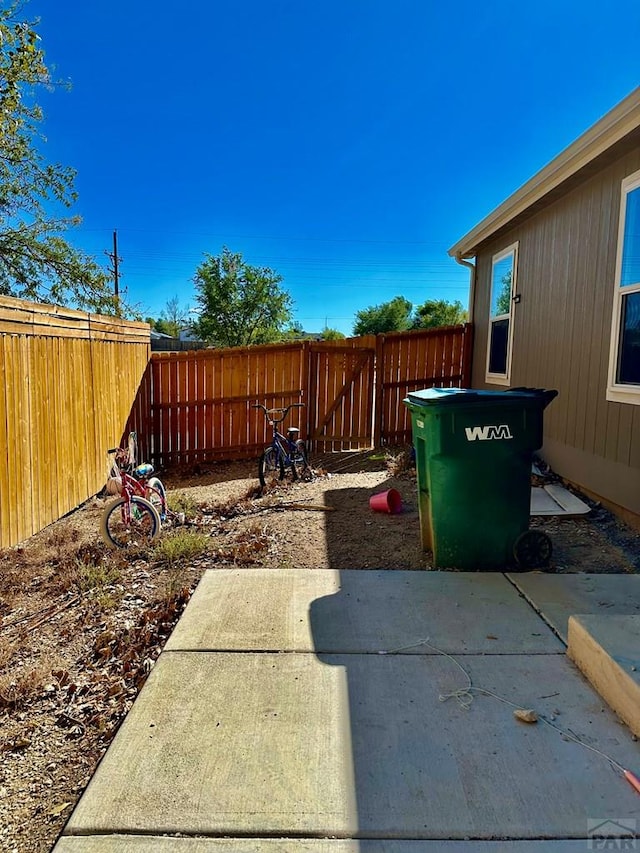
[116, 279]
[113, 256]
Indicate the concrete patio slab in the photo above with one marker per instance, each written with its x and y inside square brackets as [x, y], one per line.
[360, 612]
[556, 597]
[607, 650]
[159, 844]
[348, 746]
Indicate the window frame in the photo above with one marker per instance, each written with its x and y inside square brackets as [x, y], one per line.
[502, 378]
[619, 392]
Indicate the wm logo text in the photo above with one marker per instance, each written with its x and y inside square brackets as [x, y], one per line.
[488, 433]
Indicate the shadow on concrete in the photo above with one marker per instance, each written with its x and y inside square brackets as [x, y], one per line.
[422, 769]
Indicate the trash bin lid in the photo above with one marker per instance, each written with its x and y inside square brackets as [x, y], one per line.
[467, 396]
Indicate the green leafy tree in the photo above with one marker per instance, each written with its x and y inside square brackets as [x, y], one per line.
[332, 334]
[393, 316]
[36, 262]
[239, 304]
[439, 312]
[161, 326]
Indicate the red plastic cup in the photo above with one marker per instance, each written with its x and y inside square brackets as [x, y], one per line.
[389, 501]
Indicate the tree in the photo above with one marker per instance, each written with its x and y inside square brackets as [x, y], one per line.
[36, 262]
[173, 318]
[332, 334]
[160, 325]
[438, 312]
[393, 316]
[239, 304]
[294, 332]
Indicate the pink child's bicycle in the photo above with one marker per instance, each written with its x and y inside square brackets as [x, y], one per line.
[136, 516]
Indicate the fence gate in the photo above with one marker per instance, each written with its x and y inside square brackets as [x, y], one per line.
[409, 361]
[341, 387]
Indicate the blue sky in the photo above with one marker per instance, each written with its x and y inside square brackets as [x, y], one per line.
[346, 144]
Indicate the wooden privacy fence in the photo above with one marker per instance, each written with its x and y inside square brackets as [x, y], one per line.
[68, 379]
[197, 406]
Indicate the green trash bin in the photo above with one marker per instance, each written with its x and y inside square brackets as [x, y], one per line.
[474, 451]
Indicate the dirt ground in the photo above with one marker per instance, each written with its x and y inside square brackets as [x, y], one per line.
[81, 626]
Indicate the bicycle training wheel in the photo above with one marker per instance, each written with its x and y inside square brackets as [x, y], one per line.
[300, 464]
[156, 494]
[270, 468]
[125, 524]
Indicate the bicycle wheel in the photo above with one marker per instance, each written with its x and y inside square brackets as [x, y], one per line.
[270, 467]
[532, 549]
[125, 523]
[300, 462]
[156, 494]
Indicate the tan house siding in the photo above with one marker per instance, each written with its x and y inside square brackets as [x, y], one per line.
[562, 328]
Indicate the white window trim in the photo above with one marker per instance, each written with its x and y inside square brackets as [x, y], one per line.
[616, 392]
[502, 378]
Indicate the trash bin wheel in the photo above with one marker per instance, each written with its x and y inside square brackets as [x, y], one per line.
[532, 549]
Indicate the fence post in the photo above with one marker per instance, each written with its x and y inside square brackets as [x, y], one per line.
[306, 362]
[378, 393]
[467, 356]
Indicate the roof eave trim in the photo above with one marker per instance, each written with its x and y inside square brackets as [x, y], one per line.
[611, 128]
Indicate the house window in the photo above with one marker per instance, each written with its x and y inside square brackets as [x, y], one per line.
[624, 360]
[503, 282]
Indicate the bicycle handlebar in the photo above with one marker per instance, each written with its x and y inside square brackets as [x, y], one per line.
[283, 410]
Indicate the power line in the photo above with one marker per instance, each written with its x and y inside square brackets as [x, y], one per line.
[384, 263]
[283, 237]
[406, 283]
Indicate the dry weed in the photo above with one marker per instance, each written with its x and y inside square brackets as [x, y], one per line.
[7, 652]
[13, 563]
[84, 568]
[181, 502]
[56, 546]
[402, 462]
[247, 547]
[19, 686]
[174, 553]
[234, 506]
[180, 545]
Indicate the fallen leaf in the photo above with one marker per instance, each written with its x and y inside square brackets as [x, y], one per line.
[19, 743]
[54, 811]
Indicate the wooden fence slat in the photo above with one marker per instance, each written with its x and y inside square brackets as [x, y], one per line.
[68, 381]
[15, 458]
